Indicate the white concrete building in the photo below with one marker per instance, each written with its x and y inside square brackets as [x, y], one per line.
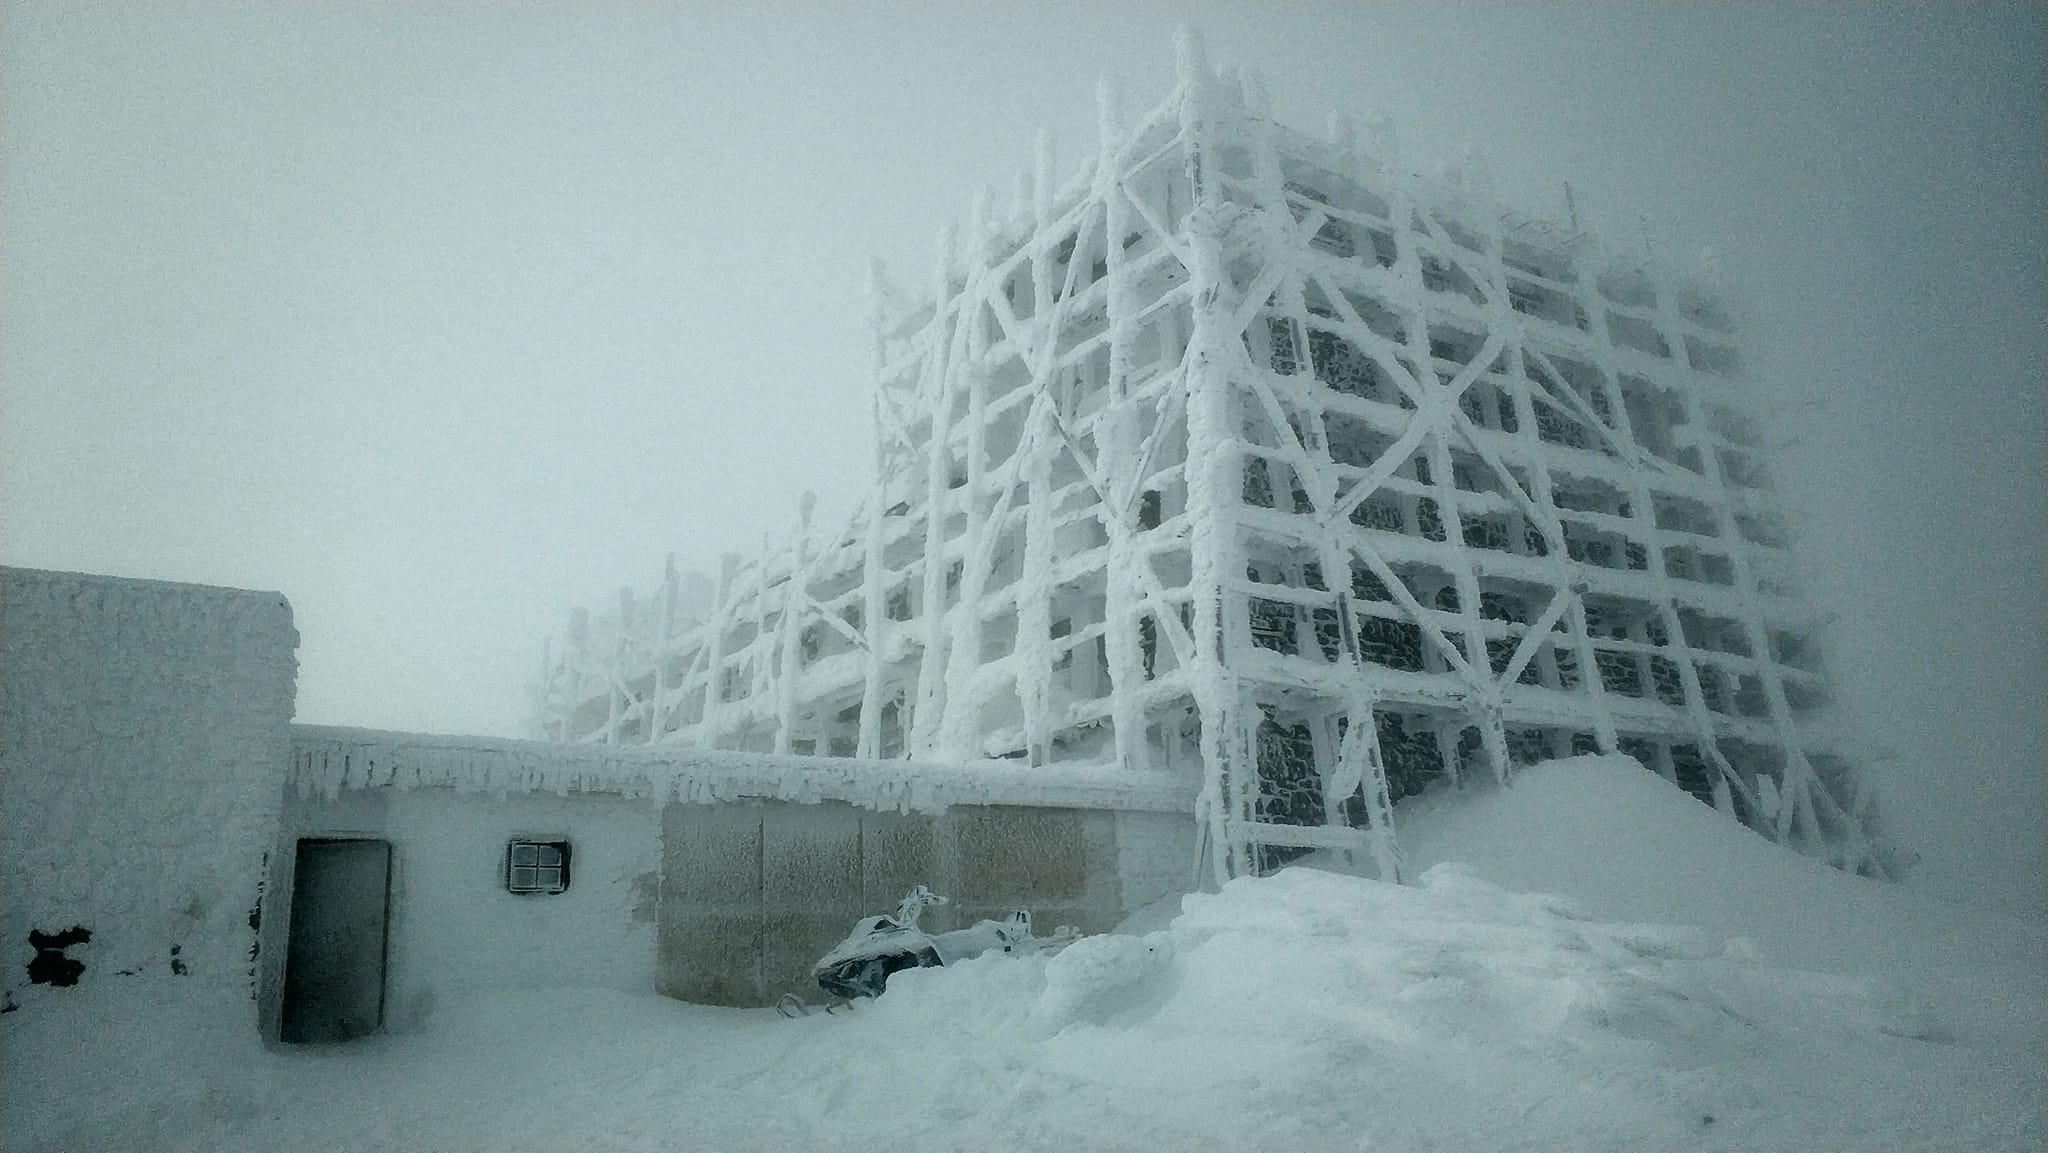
[162, 818]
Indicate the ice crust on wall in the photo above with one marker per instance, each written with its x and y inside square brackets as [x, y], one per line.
[143, 742]
[327, 760]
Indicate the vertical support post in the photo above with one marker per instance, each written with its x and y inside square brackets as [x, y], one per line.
[873, 575]
[1212, 466]
[931, 673]
[664, 629]
[1118, 437]
[962, 710]
[616, 670]
[714, 670]
[795, 601]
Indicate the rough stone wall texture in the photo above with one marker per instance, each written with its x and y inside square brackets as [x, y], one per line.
[144, 737]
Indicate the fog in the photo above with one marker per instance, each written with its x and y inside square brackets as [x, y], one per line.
[442, 320]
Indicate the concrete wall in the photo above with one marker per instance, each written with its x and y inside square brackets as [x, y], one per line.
[710, 876]
[454, 926]
[144, 737]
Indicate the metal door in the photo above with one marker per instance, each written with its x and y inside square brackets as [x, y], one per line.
[334, 965]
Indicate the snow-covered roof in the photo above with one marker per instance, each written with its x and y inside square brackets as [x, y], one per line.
[327, 760]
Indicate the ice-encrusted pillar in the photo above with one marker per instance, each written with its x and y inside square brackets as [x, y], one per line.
[873, 575]
[1212, 470]
[1118, 437]
[961, 729]
[790, 642]
[714, 674]
[938, 391]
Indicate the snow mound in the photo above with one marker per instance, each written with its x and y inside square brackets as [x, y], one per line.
[1310, 1009]
[1628, 845]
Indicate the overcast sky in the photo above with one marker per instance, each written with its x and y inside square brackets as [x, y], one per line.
[444, 319]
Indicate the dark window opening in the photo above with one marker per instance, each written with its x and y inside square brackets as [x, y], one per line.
[537, 866]
[1149, 509]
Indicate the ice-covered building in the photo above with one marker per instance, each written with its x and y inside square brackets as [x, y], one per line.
[161, 817]
[1245, 458]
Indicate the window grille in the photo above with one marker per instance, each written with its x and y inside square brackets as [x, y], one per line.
[537, 866]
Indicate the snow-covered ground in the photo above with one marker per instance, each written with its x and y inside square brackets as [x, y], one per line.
[1690, 987]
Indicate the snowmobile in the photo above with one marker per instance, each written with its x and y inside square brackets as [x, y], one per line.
[860, 965]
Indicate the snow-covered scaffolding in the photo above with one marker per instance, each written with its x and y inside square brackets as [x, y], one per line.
[1246, 457]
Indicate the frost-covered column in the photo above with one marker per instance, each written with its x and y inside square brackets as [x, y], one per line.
[714, 669]
[1212, 473]
[873, 604]
[793, 607]
[1117, 434]
[615, 670]
[1033, 658]
[961, 728]
[664, 630]
[938, 391]
[760, 652]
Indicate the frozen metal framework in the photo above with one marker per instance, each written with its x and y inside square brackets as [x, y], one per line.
[1246, 457]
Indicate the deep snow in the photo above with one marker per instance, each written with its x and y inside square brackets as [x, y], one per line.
[1692, 987]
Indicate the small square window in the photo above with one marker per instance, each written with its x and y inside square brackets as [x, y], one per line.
[536, 866]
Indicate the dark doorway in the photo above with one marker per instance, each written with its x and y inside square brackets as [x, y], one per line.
[334, 965]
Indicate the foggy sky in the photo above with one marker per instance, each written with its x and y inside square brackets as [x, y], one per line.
[443, 320]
